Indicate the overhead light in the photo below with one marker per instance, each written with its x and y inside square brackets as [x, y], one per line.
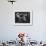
[12, 1]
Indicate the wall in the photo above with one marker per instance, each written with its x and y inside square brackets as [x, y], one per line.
[9, 31]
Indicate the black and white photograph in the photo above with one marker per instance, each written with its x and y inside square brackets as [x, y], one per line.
[23, 18]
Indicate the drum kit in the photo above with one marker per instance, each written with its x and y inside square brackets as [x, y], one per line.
[20, 41]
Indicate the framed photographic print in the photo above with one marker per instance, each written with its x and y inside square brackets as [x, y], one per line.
[23, 18]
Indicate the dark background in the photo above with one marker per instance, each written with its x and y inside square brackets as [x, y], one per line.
[27, 17]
